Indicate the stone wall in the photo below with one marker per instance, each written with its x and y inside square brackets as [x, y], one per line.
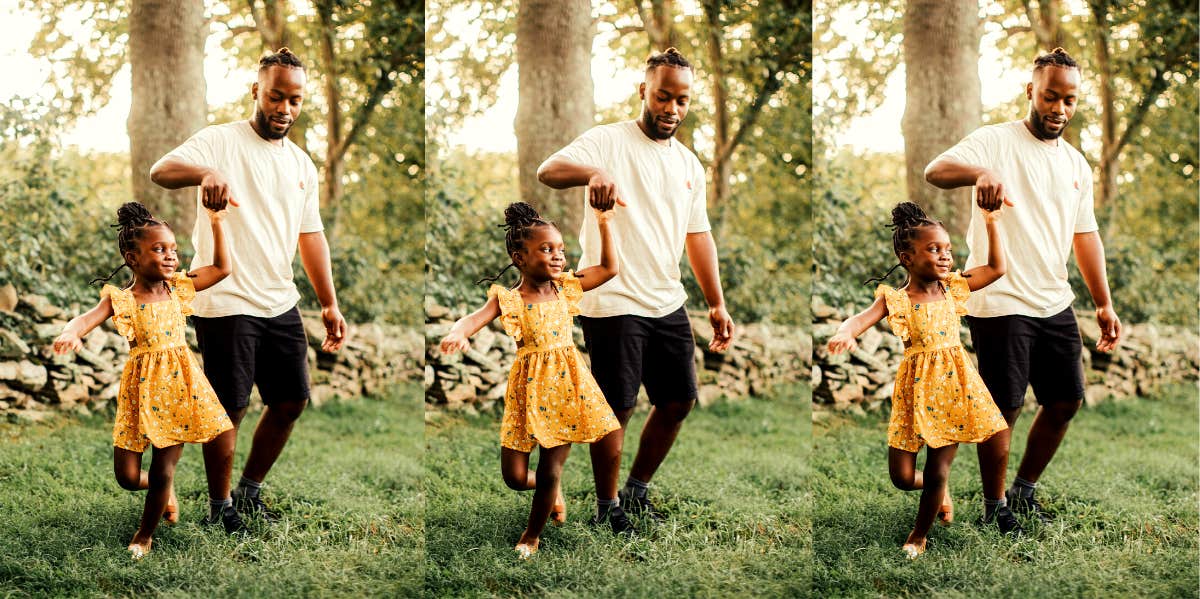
[1147, 357]
[34, 382]
[761, 357]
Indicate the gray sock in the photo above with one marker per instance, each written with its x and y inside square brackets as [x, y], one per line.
[216, 506]
[249, 487]
[604, 505]
[1022, 488]
[636, 488]
[990, 506]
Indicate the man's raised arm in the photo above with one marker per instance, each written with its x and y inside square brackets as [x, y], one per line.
[560, 173]
[948, 173]
[175, 173]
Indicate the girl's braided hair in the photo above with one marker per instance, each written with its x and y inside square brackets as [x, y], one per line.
[132, 219]
[519, 220]
[907, 220]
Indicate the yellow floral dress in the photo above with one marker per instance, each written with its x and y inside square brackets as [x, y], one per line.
[939, 398]
[165, 399]
[551, 399]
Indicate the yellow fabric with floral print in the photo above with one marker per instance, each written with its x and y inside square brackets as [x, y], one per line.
[164, 399]
[939, 398]
[551, 399]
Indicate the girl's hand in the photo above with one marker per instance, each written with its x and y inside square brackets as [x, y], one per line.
[842, 342]
[454, 342]
[219, 215]
[603, 216]
[67, 342]
[992, 216]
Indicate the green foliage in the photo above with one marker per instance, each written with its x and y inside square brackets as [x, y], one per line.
[57, 206]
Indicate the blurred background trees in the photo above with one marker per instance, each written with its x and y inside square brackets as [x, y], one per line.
[361, 123]
[1136, 124]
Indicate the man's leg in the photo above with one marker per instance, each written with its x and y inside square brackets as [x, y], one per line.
[662, 426]
[1045, 435]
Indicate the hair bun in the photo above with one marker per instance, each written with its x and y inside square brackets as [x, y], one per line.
[671, 50]
[1058, 50]
[907, 213]
[519, 214]
[133, 213]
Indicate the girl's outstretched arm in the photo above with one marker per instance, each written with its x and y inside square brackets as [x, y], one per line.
[456, 339]
[207, 276]
[984, 275]
[71, 338]
[595, 276]
[844, 339]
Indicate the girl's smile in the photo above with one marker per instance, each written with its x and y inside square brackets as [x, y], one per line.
[931, 256]
[544, 255]
[157, 256]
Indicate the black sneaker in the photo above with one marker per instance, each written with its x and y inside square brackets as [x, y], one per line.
[229, 518]
[1028, 506]
[640, 506]
[1005, 521]
[253, 506]
[617, 520]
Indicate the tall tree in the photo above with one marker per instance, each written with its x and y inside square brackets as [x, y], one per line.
[555, 105]
[166, 59]
[941, 58]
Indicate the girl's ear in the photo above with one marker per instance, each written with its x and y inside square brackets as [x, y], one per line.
[905, 259]
[130, 258]
[518, 258]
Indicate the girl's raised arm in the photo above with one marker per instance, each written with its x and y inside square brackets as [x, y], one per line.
[844, 339]
[984, 275]
[456, 339]
[207, 276]
[595, 276]
[71, 338]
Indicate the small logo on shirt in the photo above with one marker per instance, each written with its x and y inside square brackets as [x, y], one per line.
[302, 186]
[689, 184]
[1077, 186]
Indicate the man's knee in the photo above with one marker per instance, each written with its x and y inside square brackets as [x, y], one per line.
[287, 411]
[1061, 413]
[676, 411]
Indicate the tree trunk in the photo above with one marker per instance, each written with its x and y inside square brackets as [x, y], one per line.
[941, 64]
[334, 166]
[721, 165]
[555, 105]
[166, 60]
[1108, 114]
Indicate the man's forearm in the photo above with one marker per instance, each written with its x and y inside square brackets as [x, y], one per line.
[945, 173]
[175, 174]
[314, 255]
[562, 174]
[1089, 256]
[702, 256]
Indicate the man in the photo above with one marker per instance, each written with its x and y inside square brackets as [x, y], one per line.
[1022, 326]
[635, 326]
[249, 326]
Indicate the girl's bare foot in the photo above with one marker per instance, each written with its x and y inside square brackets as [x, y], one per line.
[138, 547]
[171, 513]
[946, 511]
[558, 513]
[527, 545]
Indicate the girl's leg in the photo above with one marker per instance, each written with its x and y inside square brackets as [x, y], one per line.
[162, 475]
[902, 467]
[127, 466]
[937, 473]
[549, 473]
[515, 467]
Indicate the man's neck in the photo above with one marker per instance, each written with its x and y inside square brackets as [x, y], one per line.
[662, 142]
[254, 125]
[1033, 131]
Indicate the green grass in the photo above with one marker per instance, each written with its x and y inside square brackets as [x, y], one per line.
[735, 486]
[1124, 486]
[348, 485]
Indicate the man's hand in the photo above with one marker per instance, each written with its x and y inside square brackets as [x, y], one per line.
[722, 325]
[335, 329]
[1110, 329]
[990, 193]
[602, 191]
[214, 191]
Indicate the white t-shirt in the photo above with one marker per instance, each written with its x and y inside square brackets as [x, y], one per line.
[1051, 189]
[277, 192]
[663, 186]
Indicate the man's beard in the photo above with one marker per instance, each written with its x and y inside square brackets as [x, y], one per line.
[1039, 126]
[652, 127]
[265, 128]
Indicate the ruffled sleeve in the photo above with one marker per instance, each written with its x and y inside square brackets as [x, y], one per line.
[572, 292]
[122, 303]
[184, 291]
[510, 310]
[959, 291]
[897, 306]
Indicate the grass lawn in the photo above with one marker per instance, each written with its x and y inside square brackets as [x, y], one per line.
[1124, 486]
[735, 486]
[348, 485]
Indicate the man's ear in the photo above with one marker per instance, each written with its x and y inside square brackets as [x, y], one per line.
[642, 90]
[254, 90]
[1029, 91]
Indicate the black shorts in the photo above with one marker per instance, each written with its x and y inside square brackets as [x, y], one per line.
[242, 351]
[1020, 351]
[628, 351]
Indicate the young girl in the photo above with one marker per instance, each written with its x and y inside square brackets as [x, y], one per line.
[164, 400]
[552, 400]
[939, 399]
